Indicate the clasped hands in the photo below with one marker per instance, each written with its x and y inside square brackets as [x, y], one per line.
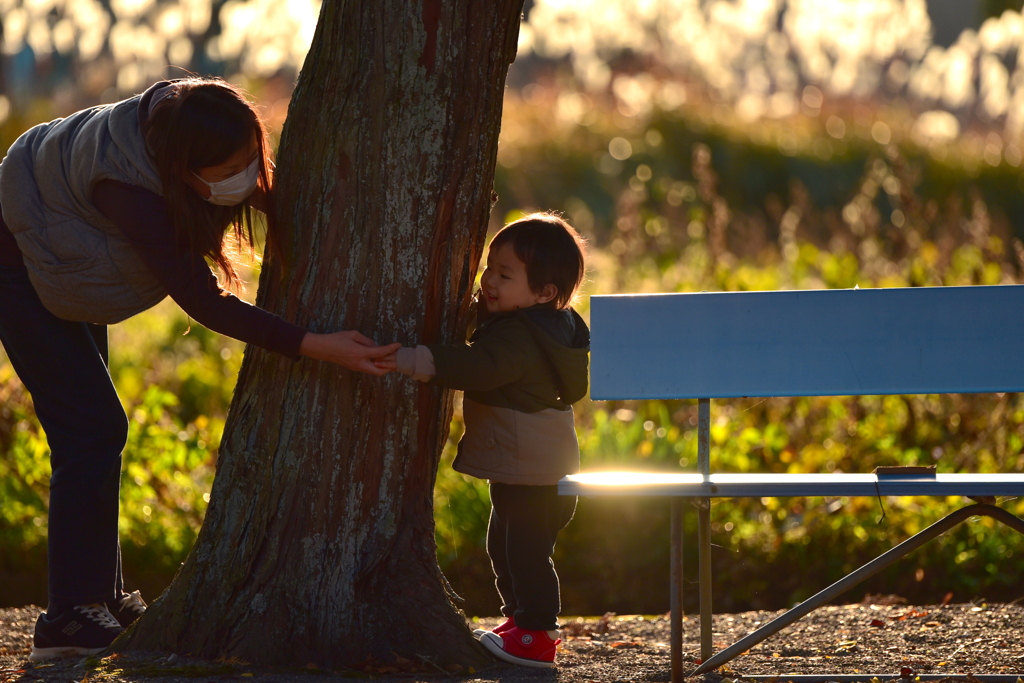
[350, 349]
[355, 351]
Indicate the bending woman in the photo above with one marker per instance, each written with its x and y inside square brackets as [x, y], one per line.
[102, 215]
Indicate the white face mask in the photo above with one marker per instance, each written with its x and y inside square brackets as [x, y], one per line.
[234, 190]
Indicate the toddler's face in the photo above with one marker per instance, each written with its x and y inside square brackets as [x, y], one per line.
[504, 283]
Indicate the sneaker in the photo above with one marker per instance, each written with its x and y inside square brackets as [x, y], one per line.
[127, 609]
[519, 646]
[82, 630]
[509, 623]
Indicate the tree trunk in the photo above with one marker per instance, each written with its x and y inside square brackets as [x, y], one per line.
[318, 544]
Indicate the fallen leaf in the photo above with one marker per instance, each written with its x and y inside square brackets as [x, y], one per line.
[234, 661]
[909, 614]
[877, 623]
[384, 669]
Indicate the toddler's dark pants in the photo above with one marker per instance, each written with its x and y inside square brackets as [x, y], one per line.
[63, 365]
[521, 534]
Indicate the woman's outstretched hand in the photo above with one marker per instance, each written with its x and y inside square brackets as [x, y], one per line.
[349, 349]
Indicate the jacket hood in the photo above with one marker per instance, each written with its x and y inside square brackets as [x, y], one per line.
[149, 97]
[564, 340]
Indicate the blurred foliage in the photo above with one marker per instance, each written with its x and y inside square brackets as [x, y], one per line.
[671, 199]
[846, 172]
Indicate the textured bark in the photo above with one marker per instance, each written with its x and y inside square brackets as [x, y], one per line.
[318, 543]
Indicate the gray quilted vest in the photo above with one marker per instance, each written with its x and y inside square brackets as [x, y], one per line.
[79, 262]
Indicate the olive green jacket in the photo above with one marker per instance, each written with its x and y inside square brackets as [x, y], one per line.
[521, 373]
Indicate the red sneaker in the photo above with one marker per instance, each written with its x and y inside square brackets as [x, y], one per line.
[519, 646]
[509, 623]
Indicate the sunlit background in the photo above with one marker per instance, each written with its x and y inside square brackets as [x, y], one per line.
[926, 70]
[698, 145]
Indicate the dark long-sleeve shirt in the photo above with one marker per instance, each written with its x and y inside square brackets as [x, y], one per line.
[10, 255]
[143, 218]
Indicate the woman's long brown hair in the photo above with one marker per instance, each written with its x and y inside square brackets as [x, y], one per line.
[202, 122]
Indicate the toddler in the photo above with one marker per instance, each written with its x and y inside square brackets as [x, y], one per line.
[524, 367]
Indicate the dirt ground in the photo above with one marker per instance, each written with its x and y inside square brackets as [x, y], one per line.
[883, 639]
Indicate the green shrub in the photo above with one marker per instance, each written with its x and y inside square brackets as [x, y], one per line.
[685, 222]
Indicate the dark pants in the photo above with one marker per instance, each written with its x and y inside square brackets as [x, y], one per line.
[63, 365]
[521, 534]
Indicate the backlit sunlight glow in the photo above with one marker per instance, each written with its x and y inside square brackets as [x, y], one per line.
[265, 35]
[761, 54]
[143, 37]
[761, 58]
[612, 479]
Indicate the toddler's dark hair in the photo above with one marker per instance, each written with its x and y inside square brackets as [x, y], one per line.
[552, 251]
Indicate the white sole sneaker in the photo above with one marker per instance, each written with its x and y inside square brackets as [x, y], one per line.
[477, 632]
[493, 643]
[41, 654]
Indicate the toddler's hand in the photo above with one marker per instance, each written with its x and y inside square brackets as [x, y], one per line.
[387, 363]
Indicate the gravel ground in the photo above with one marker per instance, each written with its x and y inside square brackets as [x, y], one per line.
[849, 639]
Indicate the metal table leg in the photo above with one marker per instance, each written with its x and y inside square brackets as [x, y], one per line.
[676, 590]
[704, 527]
[704, 541]
[855, 577]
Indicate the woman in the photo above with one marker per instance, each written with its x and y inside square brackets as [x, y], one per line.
[102, 215]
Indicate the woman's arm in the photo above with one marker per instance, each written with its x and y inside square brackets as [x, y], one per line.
[143, 218]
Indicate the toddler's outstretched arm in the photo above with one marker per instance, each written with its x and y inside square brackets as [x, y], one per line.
[483, 365]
